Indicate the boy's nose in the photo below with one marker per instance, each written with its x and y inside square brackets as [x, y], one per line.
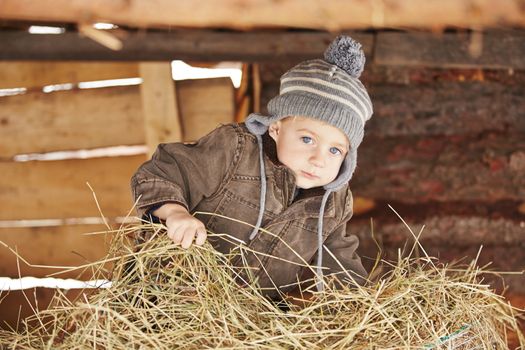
[317, 159]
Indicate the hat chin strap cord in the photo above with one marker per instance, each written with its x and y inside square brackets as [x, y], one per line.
[262, 199]
[320, 281]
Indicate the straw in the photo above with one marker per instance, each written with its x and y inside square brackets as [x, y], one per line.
[165, 297]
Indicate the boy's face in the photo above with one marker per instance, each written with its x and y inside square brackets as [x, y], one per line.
[313, 150]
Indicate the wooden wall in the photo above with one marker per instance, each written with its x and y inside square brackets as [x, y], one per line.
[51, 196]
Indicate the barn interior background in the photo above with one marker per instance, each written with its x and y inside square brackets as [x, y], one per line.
[445, 146]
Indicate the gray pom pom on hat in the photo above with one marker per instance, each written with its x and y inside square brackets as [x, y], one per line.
[346, 53]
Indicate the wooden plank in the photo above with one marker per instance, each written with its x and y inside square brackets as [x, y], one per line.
[93, 118]
[319, 14]
[204, 105]
[191, 45]
[441, 228]
[69, 120]
[57, 189]
[415, 169]
[442, 104]
[499, 49]
[159, 105]
[52, 245]
[36, 74]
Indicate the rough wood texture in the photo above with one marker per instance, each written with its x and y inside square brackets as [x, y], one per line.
[440, 230]
[53, 246]
[38, 74]
[57, 189]
[204, 105]
[443, 135]
[495, 49]
[192, 45]
[445, 102]
[93, 118]
[444, 168]
[160, 110]
[331, 15]
[68, 120]
[498, 49]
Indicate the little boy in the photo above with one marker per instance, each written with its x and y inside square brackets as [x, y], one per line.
[287, 173]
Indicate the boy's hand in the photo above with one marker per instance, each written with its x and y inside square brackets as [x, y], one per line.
[183, 228]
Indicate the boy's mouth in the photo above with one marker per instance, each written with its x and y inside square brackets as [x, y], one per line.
[309, 176]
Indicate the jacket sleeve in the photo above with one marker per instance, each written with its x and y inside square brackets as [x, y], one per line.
[343, 245]
[186, 173]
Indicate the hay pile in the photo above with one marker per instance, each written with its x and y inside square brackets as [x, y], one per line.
[164, 297]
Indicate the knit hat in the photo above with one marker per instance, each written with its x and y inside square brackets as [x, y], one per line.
[328, 90]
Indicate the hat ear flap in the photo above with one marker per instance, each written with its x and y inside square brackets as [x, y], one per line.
[257, 124]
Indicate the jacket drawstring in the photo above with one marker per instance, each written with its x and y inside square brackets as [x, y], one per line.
[262, 200]
[320, 283]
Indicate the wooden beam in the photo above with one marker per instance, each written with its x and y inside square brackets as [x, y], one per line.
[499, 49]
[159, 105]
[419, 101]
[78, 119]
[318, 14]
[190, 45]
[37, 74]
[441, 228]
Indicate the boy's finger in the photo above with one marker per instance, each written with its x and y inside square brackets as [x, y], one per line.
[173, 228]
[178, 235]
[187, 240]
[171, 233]
[201, 237]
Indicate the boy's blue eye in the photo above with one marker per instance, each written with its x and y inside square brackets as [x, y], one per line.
[306, 139]
[335, 150]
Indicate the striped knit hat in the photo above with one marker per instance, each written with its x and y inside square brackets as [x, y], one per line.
[327, 90]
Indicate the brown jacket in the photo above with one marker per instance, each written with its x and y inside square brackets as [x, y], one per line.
[220, 174]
